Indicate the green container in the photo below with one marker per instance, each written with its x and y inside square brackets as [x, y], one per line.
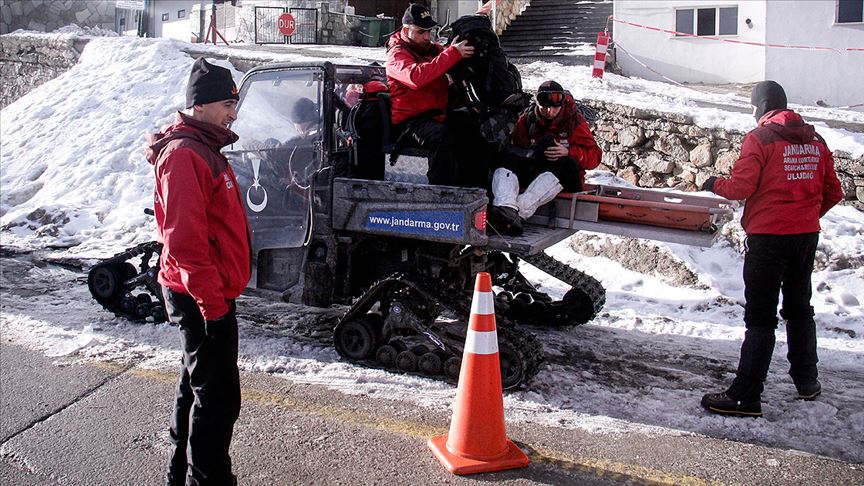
[388, 26]
[370, 27]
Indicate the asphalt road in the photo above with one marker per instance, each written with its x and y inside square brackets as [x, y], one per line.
[100, 423]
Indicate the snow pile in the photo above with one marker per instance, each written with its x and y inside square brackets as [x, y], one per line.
[74, 170]
[74, 177]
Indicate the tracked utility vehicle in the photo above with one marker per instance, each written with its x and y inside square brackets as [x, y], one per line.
[399, 253]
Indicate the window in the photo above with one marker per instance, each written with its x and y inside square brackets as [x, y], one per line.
[181, 14]
[165, 17]
[707, 21]
[850, 11]
[729, 21]
[684, 21]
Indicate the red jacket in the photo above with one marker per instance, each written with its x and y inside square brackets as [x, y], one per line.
[569, 129]
[199, 217]
[417, 77]
[786, 174]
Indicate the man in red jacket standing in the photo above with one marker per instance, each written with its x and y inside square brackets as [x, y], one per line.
[417, 76]
[205, 265]
[786, 174]
[562, 149]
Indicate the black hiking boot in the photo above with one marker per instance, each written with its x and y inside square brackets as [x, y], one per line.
[809, 391]
[722, 404]
[505, 220]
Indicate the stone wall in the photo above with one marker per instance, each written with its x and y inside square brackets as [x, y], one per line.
[28, 61]
[339, 29]
[50, 15]
[653, 149]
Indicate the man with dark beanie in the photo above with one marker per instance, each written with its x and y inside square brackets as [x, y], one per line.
[786, 175]
[205, 265]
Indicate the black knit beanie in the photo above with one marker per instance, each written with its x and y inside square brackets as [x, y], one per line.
[304, 111]
[550, 86]
[767, 96]
[209, 83]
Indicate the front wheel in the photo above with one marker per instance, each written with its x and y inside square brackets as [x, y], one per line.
[512, 366]
[357, 338]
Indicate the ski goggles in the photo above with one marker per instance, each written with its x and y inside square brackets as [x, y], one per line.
[550, 98]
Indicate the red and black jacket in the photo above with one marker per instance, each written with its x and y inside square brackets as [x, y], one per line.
[569, 129]
[199, 215]
[786, 174]
[417, 77]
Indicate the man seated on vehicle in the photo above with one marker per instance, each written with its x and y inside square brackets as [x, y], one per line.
[302, 161]
[417, 76]
[562, 148]
[306, 119]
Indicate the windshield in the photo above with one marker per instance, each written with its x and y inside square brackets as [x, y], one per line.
[279, 123]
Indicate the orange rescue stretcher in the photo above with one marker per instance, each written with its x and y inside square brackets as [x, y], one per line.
[643, 213]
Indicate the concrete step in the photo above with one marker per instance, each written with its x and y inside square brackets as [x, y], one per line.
[565, 60]
[550, 27]
[545, 34]
[559, 19]
[548, 50]
[540, 44]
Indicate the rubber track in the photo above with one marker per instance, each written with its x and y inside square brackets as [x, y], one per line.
[458, 302]
[520, 340]
[576, 279]
[123, 257]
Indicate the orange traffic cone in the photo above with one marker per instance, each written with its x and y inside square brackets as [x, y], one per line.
[477, 441]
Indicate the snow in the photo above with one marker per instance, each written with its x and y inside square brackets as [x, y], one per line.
[74, 184]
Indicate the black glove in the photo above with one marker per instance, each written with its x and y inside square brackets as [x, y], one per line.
[540, 147]
[219, 327]
[708, 185]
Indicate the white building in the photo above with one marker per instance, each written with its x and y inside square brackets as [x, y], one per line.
[833, 75]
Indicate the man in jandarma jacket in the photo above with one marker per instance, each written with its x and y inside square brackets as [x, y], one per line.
[205, 265]
[786, 175]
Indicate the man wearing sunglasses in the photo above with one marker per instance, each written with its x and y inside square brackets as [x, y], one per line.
[417, 76]
[562, 149]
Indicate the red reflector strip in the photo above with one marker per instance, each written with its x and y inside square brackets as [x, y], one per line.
[480, 220]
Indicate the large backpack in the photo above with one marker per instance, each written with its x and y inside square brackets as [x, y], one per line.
[491, 77]
[369, 125]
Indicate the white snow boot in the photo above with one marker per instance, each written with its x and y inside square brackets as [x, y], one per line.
[503, 215]
[505, 188]
[541, 190]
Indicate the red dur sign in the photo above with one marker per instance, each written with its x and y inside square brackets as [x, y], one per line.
[287, 24]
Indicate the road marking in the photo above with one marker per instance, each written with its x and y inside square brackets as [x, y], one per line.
[602, 468]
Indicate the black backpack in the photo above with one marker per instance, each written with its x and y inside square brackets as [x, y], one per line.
[368, 122]
[491, 77]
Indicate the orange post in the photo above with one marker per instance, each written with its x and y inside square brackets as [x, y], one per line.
[477, 441]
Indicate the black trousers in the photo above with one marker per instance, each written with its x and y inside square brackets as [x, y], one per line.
[468, 168]
[527, 166]
[566, 169]
[775, 265]
[208, 397]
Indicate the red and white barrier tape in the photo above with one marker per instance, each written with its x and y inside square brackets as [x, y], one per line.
[733, 41]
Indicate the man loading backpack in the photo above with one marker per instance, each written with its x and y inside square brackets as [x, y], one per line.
[562, 148]
[417, 76]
